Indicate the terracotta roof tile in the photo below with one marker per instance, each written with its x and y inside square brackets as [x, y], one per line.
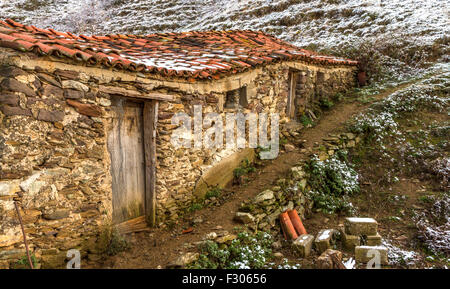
[190, 55]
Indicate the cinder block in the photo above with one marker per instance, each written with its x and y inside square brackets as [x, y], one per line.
[364, 254]
[303, 245]
[374, 240]
[323, 239]
[360, 226]
[350, 241]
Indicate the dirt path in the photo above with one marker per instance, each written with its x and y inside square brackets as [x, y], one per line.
[162, 246]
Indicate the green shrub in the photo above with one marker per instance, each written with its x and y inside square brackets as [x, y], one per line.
[111, 242]
[213, 193]
[247, 251]
[331, 182]
[326, 103]
[305, 120]
[245, 168]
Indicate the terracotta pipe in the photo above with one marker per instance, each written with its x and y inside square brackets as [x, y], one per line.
[287, 226]
[296, 222]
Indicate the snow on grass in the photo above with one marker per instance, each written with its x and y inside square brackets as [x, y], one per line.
[398, 256]
[327, 23]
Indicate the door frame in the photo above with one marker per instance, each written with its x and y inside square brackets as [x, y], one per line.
[290, 108]
[150, 119]
[149, 115]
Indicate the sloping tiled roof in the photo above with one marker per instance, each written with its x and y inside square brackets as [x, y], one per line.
[191, 55]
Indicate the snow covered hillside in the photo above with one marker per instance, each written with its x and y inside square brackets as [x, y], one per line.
[325, 23]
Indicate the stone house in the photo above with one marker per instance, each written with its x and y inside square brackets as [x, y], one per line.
[86, 122]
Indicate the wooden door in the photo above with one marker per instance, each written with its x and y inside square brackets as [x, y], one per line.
[126, 149]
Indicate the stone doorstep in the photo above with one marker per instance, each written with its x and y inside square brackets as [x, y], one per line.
[323, 239]
[364, 254]
[361, 226]
[303, 245]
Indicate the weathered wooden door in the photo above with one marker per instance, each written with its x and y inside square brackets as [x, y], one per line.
[126, 149]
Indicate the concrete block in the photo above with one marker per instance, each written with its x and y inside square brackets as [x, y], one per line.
[349, 242]
[374, 240]
[323, 239]
[303, 245]
[364, 254]
[360, 226]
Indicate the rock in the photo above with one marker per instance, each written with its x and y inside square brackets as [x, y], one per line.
[374, 240]
[297, 173]
[350, 136]
[324, 239]
[289, 148]
[31, 184]
[184, 260]
[9, 188]
[75, 85]
[11, 71]
[104, 102]
[73, 94]
[364, 254]
[278, 255]
[4, 264]
[244, 218]
[67, 74]
[54, 261]
[264, 196]
[225, 239]
[303, 245]
[330, 259]
[276, 245]
[10, 237]
[9, 99]
[85, 108]
[211, 236]
[51, 116]
[197, 220]
[57, 215]
[17, 86]
[12, 254]
[14, 110]
[360, 226]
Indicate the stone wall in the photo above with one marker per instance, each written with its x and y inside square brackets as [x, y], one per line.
[181, 172]
[53, 158]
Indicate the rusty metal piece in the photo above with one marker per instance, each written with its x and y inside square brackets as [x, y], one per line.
[23, 233]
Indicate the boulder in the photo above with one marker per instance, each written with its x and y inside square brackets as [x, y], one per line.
[264, 196]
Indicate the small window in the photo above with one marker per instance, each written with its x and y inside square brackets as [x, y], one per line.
[320, 77]
[236, 98]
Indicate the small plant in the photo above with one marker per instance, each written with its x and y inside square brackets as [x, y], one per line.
[306, 121]
[23, 262]
[213, 193]
[195, 207]
[111, 242]
[326, 103]
[245, 168]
